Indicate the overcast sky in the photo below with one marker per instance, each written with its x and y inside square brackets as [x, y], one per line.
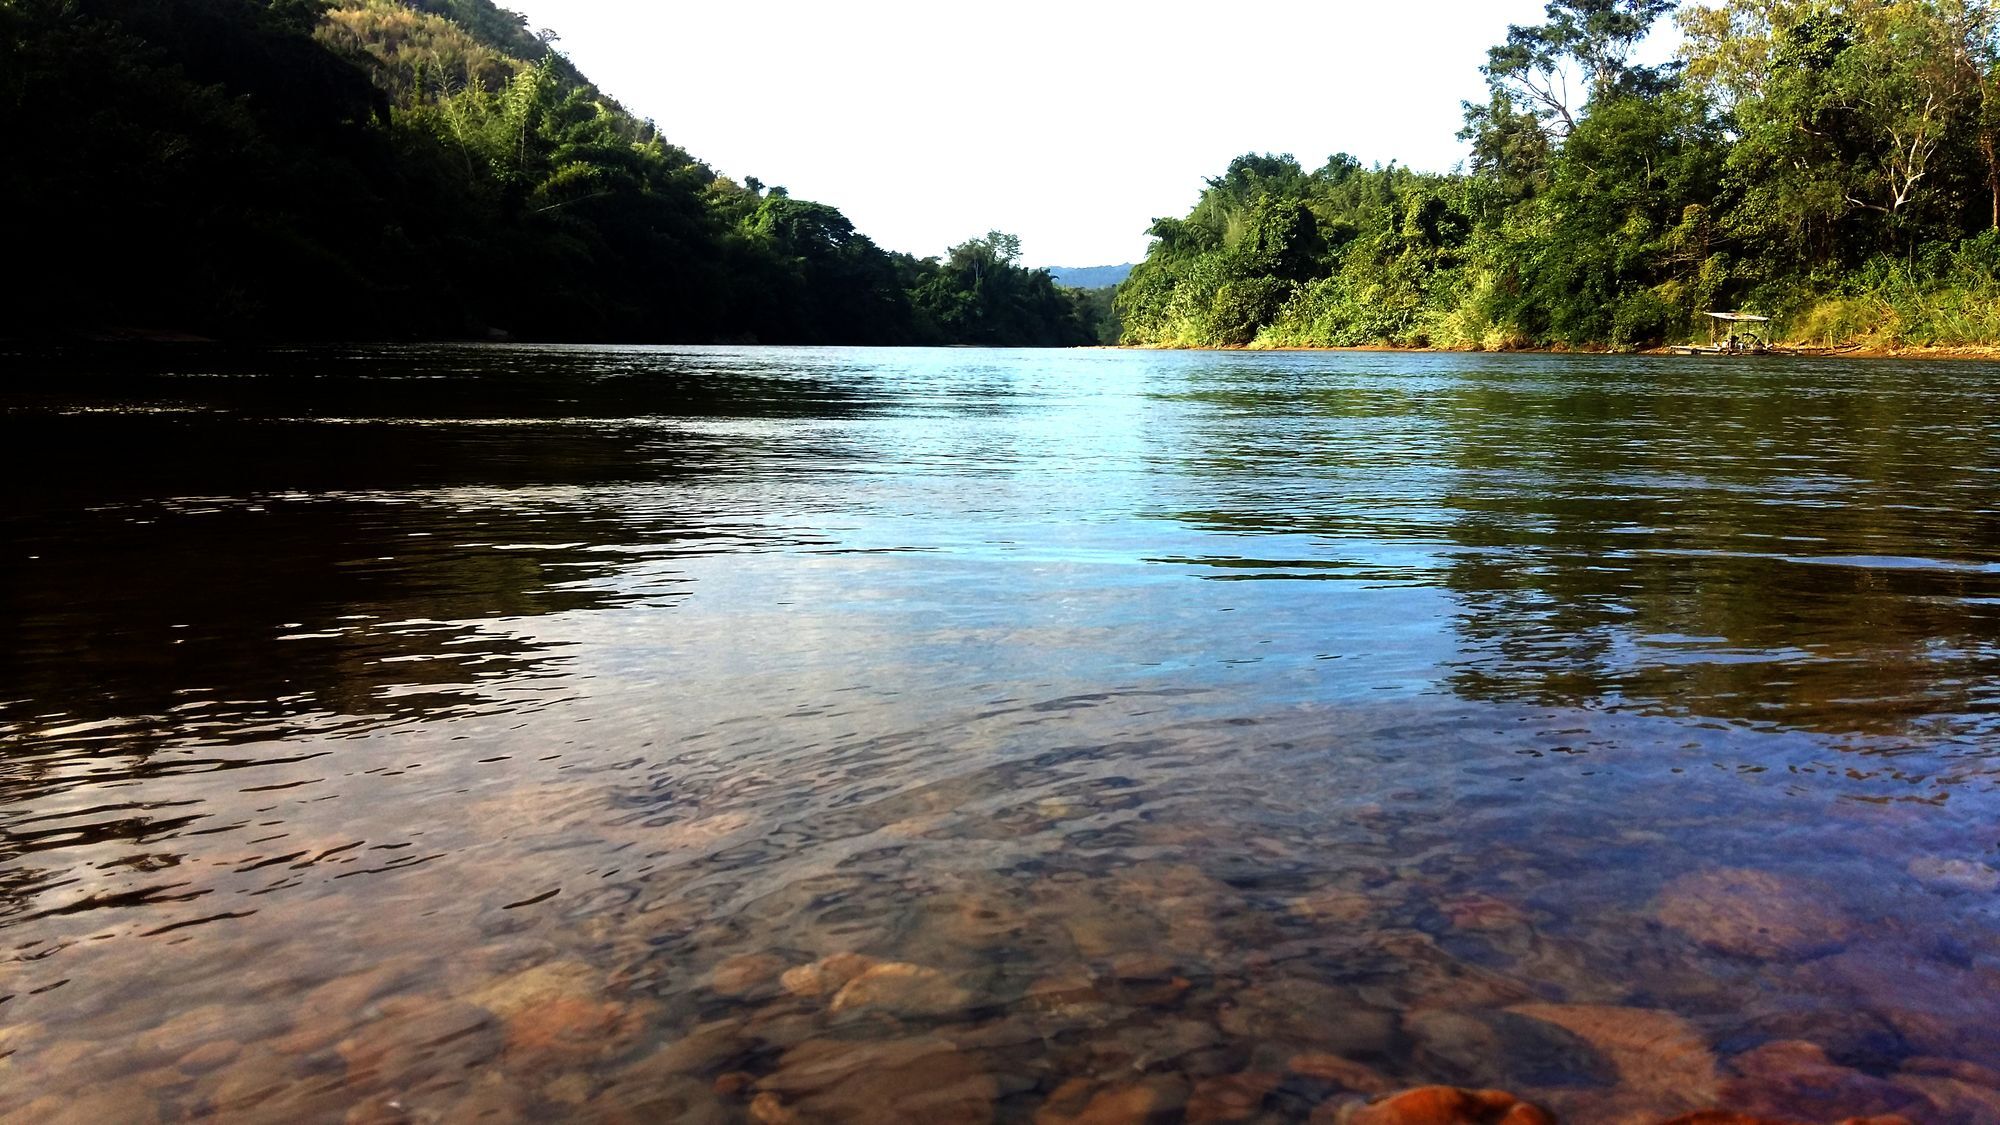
[1072, 124]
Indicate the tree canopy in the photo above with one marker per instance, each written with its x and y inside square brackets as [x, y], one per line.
[376, 168]
[1832, 162]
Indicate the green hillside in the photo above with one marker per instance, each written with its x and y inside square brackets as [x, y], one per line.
[1834, 163]
[370, 169]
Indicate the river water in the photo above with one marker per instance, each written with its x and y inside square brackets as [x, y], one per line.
[455, 733]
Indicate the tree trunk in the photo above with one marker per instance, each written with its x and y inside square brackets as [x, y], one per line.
[1986, 149]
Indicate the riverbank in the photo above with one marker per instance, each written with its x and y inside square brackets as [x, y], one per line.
[1988, 353]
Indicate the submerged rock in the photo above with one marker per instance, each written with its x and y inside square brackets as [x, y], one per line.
[326, 1013]
[1729, 1117]
[1794, 1078]
[1750, 913]
[427, 1035]
[1954, 874]
[922, 1079]
[902, 989]
[567, 1029]
[1955, 1098]
[1229, 1097]
[826, 975]
[1480, 912]
[745, 973]
[1447, 1105]
[1154, 1100]
[1935, 1006]
[1333, 905]
[1663, 1063]
[1482, 1046]
[699, 1050]
[1345, 1073]
[557, 1013]
[209, 1055]
[529, 988]
[125, 1105]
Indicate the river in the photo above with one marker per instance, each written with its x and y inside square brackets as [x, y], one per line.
[509, 733]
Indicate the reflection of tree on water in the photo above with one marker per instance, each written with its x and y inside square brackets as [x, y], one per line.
[1807, 547]
[127, 597]
[144, 641]
[298, 545]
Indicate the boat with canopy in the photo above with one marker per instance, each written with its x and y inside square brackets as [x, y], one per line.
[1746, 336]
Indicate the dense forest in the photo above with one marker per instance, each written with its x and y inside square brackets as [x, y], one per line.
[365, 169]
[1829, 162]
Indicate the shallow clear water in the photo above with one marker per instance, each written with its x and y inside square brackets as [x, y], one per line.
[481, 733]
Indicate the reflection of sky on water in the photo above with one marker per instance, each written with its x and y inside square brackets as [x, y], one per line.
[1503, 525]
[649, 657]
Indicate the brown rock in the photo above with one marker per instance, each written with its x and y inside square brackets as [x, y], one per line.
[975, 921]
[1729, 1117]
[532, 987]
[1154, 1101]
[1448, 1105]
[1062, 991]
[1483, 913]
[904, 989]
[1307, 1013]
[261, 1085]
[567, 1088]
[568, 1029]
[1333, 905]
[922, 1079]
[253, 1078]
[1229, 1097]
[1942, 874]
[209, 1055]
[1794, 1078]
[745, 973]
[995, 1035]
[1938, 1008]
[1955, 1099]
[682, 1101]
[1145, 980]
[701, 1049]
[1484, 1047]
[1332, 1068]
[184, 1032]
[1064, 1102]
[825, 976]
[324, 1014]
[769, 1109]
[1725, 1117]
[776, 1027]
[120, 1104]
[1143, 1046]
[432, 1035]
[492, 1100]
[1750, 913]
[1954, 1068]
[1659, 1056]
[378, 1111]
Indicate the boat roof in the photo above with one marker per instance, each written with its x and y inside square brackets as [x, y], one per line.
[1737, 316]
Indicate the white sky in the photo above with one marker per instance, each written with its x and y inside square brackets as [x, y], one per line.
[1072, 124]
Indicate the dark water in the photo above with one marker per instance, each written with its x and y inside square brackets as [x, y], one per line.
[513, 733]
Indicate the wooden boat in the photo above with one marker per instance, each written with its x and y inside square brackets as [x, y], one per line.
[1742, 340]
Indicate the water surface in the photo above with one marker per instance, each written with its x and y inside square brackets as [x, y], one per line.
[484, 733]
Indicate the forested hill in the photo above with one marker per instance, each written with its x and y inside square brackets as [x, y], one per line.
[369, 168]
[1835, 163]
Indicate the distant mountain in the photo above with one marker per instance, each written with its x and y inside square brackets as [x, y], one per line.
[1090, 277]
